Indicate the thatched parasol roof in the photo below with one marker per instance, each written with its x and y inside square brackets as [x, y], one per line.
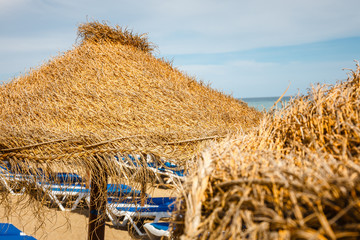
[296, 177]
[110, 92]
[110, 96]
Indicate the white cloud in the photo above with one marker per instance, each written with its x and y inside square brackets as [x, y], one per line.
[220, 26]
[202, 26]
[10, 5]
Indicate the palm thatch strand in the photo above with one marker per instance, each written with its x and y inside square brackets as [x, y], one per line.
[104, 99]
[296, 177]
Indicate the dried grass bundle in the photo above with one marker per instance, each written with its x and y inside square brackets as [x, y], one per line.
[101, 32]
[296, 177]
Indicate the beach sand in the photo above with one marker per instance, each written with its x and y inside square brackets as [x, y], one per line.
[60, 225]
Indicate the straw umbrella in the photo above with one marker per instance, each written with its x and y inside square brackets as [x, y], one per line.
[110, 96]
[295, 177]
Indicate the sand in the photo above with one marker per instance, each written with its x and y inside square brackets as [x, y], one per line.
[60, 225]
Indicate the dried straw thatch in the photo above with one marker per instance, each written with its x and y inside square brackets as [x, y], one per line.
[296, 177]
[96, 32]
[110, 96]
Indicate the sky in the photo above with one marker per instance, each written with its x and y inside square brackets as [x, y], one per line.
[246, 48]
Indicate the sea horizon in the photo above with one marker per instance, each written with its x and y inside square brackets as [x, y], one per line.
[265, 103]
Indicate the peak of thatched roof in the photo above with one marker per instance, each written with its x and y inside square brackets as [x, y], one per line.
[101, 32]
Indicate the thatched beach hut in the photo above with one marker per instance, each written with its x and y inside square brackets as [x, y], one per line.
[110, 96]
[296, 177]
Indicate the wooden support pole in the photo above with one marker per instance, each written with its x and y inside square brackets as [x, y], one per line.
[143, 182]
[143, 194]
[98, 200]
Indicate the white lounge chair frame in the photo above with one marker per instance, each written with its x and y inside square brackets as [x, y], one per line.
[64, 191]
[122, 214]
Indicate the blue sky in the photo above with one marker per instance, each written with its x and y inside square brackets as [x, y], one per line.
[247, 48]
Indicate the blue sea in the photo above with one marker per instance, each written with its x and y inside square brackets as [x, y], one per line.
[265, 103]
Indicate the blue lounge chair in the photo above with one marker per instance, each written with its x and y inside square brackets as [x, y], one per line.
[113, 190]
[63, 186]
[121, 190]
[65, 178]
[157, 230]
[10, 232]
[162, 168]
[130, 211]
